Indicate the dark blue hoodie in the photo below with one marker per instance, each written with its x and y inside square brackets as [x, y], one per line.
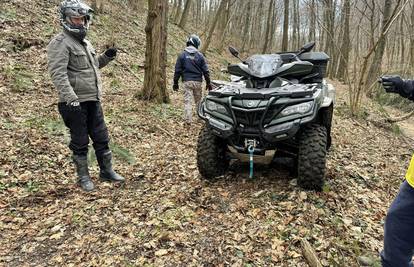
[191, 65]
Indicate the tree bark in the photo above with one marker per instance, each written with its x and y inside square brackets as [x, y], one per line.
[412, 41]
[246, 26]
[184, 16]
[268, 26]
[295, 32]
[312, 23]
[375, 69]
[178, 13]
[285, 26]
[213, 26]
[155, 83]
[345, 46]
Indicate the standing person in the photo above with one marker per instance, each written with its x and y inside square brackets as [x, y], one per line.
[74, 68]
[399, 223]
[191, 66]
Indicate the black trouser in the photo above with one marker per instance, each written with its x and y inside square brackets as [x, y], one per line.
[89, 121]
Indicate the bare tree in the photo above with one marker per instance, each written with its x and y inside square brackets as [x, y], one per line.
[155, 84]
[268, 26]
[412, 40]
[213, 25]
[345, 46]
[285, 26]
[184, 16]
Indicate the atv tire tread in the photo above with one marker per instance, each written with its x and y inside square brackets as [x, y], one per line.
[211, 155]
[312, 157]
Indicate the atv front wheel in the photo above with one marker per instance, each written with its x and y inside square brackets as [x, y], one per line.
[211, 154]
[312, 157]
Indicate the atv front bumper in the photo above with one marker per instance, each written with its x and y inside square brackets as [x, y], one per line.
[272, 132]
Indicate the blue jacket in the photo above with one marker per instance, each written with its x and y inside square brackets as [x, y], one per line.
[191, 66]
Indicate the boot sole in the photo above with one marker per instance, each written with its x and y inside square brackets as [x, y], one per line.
[103, 179]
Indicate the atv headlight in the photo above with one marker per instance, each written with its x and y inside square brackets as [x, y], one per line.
[214, 106]
[301, 108]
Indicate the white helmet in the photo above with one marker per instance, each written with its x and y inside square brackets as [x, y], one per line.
[194, 40]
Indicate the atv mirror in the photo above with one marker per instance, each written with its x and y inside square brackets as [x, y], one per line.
[234, 51]
[307, 47]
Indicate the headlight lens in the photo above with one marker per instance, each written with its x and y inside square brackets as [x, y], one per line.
[301, 108]
[213, 106]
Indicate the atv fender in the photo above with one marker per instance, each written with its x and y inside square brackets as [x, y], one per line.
[329, 98]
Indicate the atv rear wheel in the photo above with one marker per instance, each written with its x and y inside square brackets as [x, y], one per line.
[312, 157]
[211, 154]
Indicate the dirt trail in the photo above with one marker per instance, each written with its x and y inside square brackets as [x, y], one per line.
[407, 127]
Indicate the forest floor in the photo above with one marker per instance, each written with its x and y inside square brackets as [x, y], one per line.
[164, 214]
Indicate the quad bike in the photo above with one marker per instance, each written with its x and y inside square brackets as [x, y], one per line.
[276, 105]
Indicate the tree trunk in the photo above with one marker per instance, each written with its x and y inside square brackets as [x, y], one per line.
[247, 26]
[213, 26]
[198, 13]
[345, 46]
[178, 13]
[375, 69]
[184, 16]
[312, 23]
[329, 45]
[412, 41]
[155, 83]
[295, 32]
[268, 26]
[402, 40]
[285, 26]
[275, 20]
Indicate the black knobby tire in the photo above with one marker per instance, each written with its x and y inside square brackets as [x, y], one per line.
[312, 157]
[211, 154]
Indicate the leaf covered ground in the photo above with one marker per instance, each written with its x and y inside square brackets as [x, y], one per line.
[165, 215]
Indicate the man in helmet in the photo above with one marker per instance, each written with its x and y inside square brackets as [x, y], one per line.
[74, 68]
[191, 66]
[399, 223]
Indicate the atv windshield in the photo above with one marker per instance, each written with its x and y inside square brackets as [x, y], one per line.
[264, 65]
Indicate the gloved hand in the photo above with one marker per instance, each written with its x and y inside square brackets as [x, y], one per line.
[392, 83]
[175, 87]
[111, 52]
[75, 106]
[209, 87]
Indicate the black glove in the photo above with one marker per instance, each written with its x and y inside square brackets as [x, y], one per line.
[392, 83]
[75, 106]
[111, 52]
[209, 87]
[175, 87]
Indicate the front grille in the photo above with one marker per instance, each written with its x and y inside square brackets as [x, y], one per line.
[248, 119]
[252, 118]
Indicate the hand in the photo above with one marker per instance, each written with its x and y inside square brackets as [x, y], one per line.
[175, 87]
[75, 106]
[392, 83]
[111, 52]
[209, 87]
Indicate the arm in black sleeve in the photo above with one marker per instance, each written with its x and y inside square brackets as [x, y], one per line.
[178, 69]
[407, 89]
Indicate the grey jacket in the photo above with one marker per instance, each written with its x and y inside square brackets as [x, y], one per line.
[74, 68]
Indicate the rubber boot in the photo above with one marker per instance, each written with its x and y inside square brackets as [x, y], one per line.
[84, 180]
[107, 173]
